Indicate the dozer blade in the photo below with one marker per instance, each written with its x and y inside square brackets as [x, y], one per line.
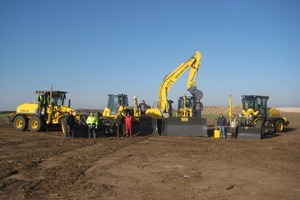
[144, 126]
[179, 126]
[80, 131]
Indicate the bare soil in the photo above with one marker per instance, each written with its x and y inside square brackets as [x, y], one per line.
[51, 166]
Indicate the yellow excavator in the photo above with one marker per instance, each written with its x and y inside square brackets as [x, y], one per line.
[257, 120]
[184, 123]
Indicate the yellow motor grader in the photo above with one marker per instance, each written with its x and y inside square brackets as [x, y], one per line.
[49, 110]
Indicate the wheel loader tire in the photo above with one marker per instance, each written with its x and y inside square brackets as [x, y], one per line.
[64, 126]
[20, 123]
[35, 124]
[279, 126]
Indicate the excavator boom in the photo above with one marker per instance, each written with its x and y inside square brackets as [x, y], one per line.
[187, 126]
[162, 109]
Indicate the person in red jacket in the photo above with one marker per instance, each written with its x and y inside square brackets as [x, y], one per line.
[128, 124]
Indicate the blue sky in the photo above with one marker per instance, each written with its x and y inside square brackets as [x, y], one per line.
[99, 47]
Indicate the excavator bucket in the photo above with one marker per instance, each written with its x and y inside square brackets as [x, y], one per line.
[182, 126]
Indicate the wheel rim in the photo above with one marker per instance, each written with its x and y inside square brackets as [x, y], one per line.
[19, 123]
[34, 124]
[280, 126]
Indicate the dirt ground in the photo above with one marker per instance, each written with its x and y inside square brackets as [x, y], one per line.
[51, 166]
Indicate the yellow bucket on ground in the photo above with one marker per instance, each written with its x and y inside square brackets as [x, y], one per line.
[217, 133]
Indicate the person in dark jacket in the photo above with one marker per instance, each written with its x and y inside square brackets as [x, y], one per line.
[221, 122]
[119, 123]
[143, 107]
[70, 120]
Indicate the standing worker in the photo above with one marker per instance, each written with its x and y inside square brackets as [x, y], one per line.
[70, 119]
[42, 105]
[221, 122]
[233, 126]
[198, 108]
[128, 124]
[119, 124]
[143, 107]
[92, 123]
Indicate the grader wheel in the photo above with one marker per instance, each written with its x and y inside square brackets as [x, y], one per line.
[20, 123]
[35, 124]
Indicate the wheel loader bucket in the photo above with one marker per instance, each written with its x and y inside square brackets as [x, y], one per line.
[249, 133]
[258, 132]
[180, 126]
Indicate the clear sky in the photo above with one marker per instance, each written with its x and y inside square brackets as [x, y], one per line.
[98, 47]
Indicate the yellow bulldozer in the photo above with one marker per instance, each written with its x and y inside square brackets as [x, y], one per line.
[257, 120]
[48, 111]
[119, 102]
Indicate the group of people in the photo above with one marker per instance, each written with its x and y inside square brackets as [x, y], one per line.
[91, 121]
[233, 125]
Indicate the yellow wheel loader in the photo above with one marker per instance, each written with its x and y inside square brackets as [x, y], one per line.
[44, 114]
[257, 120]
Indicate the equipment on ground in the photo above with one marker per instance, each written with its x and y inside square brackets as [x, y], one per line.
[184, 123]
[117, 103]
[257, 120]
[50, 110]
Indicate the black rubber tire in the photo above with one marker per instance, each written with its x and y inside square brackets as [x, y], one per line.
[279, 126]
[20, 123]
[35, 124]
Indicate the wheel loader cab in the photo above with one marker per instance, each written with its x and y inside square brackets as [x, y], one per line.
[255, 105]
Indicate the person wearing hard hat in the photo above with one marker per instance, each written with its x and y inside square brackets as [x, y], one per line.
[92, 123]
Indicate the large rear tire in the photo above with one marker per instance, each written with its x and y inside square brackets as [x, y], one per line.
[35, 124]
[20, 123]
[279, 126]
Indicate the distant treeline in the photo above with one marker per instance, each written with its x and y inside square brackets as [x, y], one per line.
[6, 112]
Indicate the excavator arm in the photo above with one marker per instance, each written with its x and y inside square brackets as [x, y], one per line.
[162, 110]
